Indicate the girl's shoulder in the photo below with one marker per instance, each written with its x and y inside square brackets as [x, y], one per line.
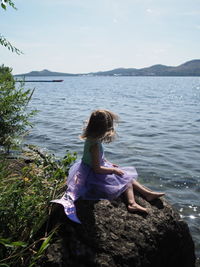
[92, 141]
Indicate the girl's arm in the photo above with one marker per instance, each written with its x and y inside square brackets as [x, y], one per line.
[96, 164]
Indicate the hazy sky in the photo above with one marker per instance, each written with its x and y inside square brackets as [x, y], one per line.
[78, 36]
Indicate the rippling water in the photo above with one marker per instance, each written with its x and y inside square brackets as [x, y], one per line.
[159, 131]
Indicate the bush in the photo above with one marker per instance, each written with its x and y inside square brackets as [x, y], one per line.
[13, 110]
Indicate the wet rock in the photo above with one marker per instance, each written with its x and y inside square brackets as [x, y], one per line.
[109, 236]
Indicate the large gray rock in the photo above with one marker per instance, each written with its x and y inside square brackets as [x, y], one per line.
[109, 236]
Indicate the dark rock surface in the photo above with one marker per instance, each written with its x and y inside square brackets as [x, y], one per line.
[109, 236]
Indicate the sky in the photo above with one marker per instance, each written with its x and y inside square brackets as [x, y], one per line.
[81, 36]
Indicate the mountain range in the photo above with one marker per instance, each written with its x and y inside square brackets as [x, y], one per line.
[189, 68]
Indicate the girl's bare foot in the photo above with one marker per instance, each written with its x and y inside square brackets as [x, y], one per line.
[153, 195]
[132, 207]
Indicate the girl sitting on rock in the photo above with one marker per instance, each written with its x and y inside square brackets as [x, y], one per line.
[95, 178]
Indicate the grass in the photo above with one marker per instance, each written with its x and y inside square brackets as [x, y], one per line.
[26, 191]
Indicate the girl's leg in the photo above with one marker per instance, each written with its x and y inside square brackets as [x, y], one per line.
[132, 205]
[146, 192]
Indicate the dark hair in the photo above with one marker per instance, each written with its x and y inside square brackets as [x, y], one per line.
[101, 126]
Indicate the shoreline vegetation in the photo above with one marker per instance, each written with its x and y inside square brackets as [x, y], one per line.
[189, 68]
[28, 182]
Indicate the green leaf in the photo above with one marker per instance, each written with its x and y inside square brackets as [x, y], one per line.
[9, 243]
[3, 6]
[42, 248]
[19, 244]
[45, 244]
[4, 241]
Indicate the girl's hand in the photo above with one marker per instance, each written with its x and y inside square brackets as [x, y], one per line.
[118, 172]
[114, 165]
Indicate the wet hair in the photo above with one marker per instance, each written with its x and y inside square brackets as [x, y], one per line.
[101, 126]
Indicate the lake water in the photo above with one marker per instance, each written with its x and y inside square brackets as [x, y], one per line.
[158, 133]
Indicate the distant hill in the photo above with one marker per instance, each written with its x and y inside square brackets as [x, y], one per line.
[45, 73]
[190, 68]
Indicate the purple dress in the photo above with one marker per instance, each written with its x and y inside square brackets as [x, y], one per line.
[85, 183]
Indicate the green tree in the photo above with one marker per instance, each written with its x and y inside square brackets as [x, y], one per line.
[3, 41]
[14, 117]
